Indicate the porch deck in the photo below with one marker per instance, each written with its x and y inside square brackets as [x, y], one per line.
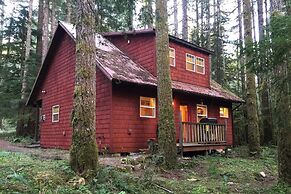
[201, 136]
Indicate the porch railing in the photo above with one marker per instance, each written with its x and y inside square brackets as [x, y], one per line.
[202, 133]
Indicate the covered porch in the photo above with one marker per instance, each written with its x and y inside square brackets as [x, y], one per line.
[201, 136]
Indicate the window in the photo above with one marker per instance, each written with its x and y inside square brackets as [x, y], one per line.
[190, 62]
[172, 57]
[55, 113]
[147, 107]
[200, 66]
[201, 112]
[223, 112]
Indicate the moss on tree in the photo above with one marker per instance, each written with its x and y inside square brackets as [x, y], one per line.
[84, 152]
[166, 135]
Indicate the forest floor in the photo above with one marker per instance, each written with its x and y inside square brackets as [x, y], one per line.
[35, 170]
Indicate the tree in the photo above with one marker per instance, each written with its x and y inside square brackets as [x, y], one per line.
[185, 20]
[166, 125]
[24, 111]
[39, 49]
[251, 102]
[84, 152]
[281, 45]
[176, 23]
[45, 32]
[146, 14]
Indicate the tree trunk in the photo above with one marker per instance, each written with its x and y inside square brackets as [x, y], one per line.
[284, 104]
[39, 45]
[23, 111]
[150, 13]
[1, 28]
[53, 17]
[84, 152]
[202, 25]
[207, 6]
[176, 24]
[197, 22]
[45, 28]
[251, 102]
[166, 136]
[69, 11]
[185, 20]
[130, 10]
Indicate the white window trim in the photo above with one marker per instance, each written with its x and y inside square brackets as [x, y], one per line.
[143, 106]
[205, 106]
[56, 121]
[226, 117]
[201, 65]
[173, 57]
[190, 62]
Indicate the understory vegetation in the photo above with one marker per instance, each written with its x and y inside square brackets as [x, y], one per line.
[234, 173]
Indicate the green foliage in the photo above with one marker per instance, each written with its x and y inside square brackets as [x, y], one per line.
[204, 174]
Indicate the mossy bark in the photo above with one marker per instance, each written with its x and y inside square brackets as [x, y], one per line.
[284, 112]
[251, 101]
[166, 135]
[84, 152]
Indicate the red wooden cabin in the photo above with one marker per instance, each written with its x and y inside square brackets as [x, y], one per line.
[126, 102]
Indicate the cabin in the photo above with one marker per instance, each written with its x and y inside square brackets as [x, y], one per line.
[126, 93]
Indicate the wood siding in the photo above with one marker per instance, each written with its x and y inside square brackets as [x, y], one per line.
[141, 49]
[58, 84]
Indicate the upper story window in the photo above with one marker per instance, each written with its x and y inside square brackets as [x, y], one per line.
[55, 113]
[147, 107]
[223, 112]
[190, 62]
[172, 57]
[200, 65]
[195, 64]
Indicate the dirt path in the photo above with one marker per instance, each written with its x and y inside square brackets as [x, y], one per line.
[54, 154]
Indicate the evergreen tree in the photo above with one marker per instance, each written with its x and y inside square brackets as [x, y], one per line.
[166, 125]
[251, 102]
[84, 152]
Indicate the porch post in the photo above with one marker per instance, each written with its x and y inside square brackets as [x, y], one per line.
[181, 134]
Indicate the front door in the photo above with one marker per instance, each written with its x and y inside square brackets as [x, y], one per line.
[184, 118]
[184, 113]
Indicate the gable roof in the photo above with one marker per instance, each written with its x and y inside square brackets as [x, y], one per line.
[117, 66]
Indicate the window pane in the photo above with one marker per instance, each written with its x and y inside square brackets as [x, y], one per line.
[190, 58]
[148, 112]
[147, 101]
[172, 61]
[171, 52]
[199, 61]
[201, 110]
[190, 66]
[55, 109]
[199, 69]
[56, 117]
[223, 112]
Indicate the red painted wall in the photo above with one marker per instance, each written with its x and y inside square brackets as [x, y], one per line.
[58, 83]
[130, 132]
[141, 49]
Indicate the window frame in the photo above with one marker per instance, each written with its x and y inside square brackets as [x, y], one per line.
[200, 65]
[174, 57]
[56, 106]
[204, 116]
[223, 107]
[150, 107]
[194, 63]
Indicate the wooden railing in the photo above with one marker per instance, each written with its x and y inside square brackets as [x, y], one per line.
[202, 133]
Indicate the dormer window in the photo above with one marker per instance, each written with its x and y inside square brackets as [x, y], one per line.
[190, 62]
[200, 65]
[172, 57]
